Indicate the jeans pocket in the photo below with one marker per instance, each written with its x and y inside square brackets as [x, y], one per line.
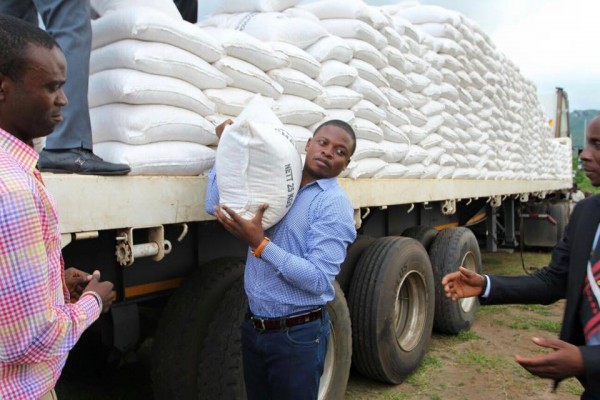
[308, 334]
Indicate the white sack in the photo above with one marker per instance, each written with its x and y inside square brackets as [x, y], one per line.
[271, 26]
[142, 124]
[234, 6]
[257, 162]
[135, 87]
[355, 29]
[296, 83]
[160, 59]
[229, 101]
[336, 73]
[297, 110]
[331, 48]
[338, 97]
[143, 23]
[163, 158]
[246, 47]
[247, 76]
[299, 59]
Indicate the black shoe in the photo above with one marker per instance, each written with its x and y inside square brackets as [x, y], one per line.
[78, 161]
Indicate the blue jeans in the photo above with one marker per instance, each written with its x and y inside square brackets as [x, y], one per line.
[284, 364]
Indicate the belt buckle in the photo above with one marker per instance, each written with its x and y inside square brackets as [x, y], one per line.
[261, 325]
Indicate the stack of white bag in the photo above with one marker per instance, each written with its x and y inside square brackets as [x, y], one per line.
[496, 115]
[426, 91]
[148, 72]
[265, 55]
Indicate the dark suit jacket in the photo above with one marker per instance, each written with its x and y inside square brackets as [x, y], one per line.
[563, 278]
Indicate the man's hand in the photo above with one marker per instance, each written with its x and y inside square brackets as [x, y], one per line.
[76, 280]
[221, 127]
[104, 289]
[247, 230]
[463, 283]
[564, 362]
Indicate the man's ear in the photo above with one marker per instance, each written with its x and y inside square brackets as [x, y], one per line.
[348, 162]
[307, 144]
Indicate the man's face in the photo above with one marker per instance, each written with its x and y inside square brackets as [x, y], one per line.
[30, 107]
[590, 156]
[328, 152]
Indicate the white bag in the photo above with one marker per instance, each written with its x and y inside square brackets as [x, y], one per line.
[257, 162]
[297, 110]
[331, 48]
[163, 158]
[249, 77]
[369, 111]
[144, 23]
[299, 59]
[160, 59]
[367, 52]
[296, 83]
[142, 124]
[246, 47]
[355, 29]
[369, 91]
[234, 6]
[229, 101]
[338, 97]
[135, 87]
[271, 26]
[336, 73]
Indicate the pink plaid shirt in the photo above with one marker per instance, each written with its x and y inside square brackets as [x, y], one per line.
[38, 325]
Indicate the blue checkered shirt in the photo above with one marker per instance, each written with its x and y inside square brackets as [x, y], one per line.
[297, 267]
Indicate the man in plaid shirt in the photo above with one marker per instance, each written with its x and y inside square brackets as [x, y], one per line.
[44, 308]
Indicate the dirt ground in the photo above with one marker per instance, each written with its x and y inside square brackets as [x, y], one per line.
[477, 364]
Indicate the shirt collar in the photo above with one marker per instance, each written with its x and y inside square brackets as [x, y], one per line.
[324, 184]
[24, 154]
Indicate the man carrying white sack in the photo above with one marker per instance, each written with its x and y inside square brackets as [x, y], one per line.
[290, 270]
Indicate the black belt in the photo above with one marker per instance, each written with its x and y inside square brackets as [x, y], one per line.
[265, 324]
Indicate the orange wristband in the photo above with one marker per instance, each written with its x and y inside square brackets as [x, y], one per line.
[259, 249]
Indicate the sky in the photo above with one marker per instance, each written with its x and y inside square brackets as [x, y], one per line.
[551, 41]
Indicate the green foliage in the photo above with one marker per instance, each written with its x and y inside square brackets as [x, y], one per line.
[577, 123]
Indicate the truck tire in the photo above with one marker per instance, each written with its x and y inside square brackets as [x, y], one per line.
[354, 252]
[421, 233]
[221, 370]
[339, 349]
[184, 325]
[452, 248]
[391, 306]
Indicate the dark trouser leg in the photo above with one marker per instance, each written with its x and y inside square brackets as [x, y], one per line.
[292, 360]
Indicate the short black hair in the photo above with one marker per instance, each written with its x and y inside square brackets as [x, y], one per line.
[16, 36]
[343, 125]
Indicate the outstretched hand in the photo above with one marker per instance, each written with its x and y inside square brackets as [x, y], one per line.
[463, 283]
[247, 230]
[564, 362]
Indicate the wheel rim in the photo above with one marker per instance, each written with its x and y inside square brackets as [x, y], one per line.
[329, 365]
[409, 311]
[468, 262]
